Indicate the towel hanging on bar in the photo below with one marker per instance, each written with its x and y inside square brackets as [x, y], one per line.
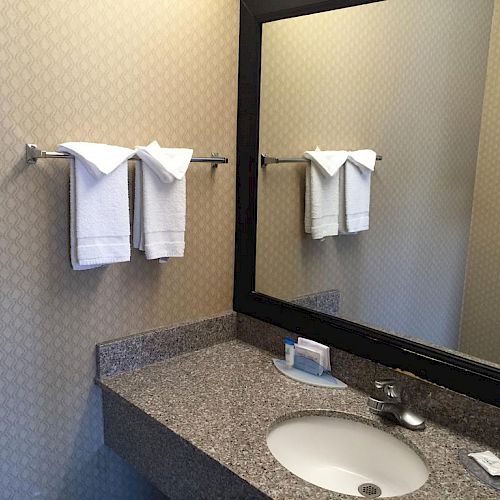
[33, 153]
[266, 159]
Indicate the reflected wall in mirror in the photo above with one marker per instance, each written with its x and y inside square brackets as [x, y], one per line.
[417, 81]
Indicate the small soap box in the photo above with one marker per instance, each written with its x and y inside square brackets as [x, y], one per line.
[308, 362]
[307, 355]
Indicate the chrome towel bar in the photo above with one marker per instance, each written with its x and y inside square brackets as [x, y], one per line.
[266, 159]
[33, 153]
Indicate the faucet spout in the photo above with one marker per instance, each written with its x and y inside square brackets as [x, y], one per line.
[391, 406]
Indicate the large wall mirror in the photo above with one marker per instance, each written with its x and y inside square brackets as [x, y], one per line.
[418, 83]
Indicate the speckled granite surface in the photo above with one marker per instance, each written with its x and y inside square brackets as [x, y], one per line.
[457, 411]
[136, 351]
[210, 411]
[327, 302]
[354, 371]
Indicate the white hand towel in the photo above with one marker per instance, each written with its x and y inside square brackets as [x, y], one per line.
[160, 207]
[99, 159]
[358, 170]
[99, 208]
[322, 192]
[168, 164]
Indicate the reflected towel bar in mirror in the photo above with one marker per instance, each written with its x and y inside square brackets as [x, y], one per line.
[33, 152]
[266, 159]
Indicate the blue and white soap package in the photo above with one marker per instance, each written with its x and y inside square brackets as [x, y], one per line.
[308, 360]
[322, 350]
[488, 461]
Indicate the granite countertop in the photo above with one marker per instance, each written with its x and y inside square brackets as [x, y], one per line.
[223, 399]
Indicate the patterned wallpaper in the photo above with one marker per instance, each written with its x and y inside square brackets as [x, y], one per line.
[123, 72]
[402, 77]
[480, 333]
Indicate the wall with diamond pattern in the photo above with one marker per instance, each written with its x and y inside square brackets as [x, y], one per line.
[480, 334]
[402, 77]
[122, 72]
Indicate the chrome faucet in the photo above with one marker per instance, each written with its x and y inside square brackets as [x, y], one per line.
[392, 406]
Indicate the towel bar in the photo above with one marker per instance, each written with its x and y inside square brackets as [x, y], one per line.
[33, 152]
[266, 159]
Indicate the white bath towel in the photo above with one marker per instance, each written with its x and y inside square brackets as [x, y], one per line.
[321, 217]
[358, 170]
[99, 208]
[160, 205]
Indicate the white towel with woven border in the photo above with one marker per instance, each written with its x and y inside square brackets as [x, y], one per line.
[358, 171]
[160, 201]
[321, 217]
[99, 206]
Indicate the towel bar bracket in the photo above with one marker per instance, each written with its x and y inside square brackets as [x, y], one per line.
[33, 153]
[215, 164]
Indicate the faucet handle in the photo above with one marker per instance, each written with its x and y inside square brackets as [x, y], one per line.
[391, 388]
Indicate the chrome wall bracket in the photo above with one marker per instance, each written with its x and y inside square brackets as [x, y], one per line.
[33, 152]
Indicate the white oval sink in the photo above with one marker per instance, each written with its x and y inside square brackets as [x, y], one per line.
[341, 455]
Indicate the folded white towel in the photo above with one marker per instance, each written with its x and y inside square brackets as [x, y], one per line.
[358, 170]
[99, 159]
[99, 208]
[168, 164]
[321, 217]
[160, 206]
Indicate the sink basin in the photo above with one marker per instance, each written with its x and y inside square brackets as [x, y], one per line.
[347, 456]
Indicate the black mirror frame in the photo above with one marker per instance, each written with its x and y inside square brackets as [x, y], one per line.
[448, 369]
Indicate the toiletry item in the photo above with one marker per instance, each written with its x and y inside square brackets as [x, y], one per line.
[289, 352]
[488, 461]
[477, 471]
[308, 360]
[323, 350]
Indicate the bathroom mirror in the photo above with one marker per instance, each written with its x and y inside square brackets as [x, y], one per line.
[407, 79]
[416, 81]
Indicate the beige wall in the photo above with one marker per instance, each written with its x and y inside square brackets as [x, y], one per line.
[480, 333]
[405, 78]
[122, 72]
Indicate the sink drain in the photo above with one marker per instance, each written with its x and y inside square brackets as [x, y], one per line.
[369, 490]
